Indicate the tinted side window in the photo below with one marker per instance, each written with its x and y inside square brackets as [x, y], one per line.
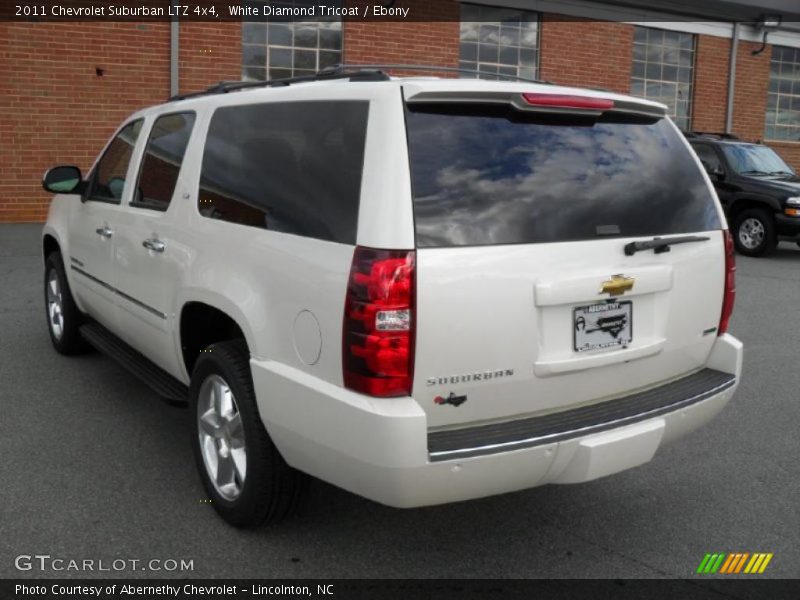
[162, 160]
[289, 167]
[708, 155]
[108, 180]
[482, 176]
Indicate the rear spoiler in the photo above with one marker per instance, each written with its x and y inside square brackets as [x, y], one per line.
[544, 102]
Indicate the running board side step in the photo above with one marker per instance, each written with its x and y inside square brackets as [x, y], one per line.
[161, 382]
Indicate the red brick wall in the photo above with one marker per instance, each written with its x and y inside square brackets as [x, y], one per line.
[789, 151]
[433, 42]
[750, 97]
[750, 94]
[752, 82]
[57, 110]
[712, 60]
[209, 53]
[585, 53]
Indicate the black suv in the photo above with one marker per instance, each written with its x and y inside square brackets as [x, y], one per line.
[759, 191]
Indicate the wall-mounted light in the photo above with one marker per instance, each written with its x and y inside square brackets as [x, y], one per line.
[766, 23]
[769, 22]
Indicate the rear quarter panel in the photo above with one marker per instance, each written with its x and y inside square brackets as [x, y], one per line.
[264, 280]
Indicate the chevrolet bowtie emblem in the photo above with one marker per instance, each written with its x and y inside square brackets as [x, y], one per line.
[617, 285]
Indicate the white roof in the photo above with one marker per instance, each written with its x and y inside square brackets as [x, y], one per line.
[411, 87]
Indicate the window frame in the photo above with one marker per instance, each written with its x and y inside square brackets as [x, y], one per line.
[771, 128]
[292, 47]
[133, 203]
[91, 180]
[647, 80]
[537, 15]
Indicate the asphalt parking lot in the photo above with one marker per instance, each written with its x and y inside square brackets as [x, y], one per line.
[94, 465]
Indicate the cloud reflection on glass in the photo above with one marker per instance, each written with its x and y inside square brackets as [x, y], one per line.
[482, 180]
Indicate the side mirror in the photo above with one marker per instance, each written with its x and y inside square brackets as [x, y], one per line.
[62, 180]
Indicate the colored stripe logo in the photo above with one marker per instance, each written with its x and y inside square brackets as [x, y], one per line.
[734, 563]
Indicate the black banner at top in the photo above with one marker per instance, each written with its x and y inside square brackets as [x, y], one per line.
[375, 10]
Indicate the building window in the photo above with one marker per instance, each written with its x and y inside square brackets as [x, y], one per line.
[499, 41]
[663, 70]
[783, 99]
[280, 49]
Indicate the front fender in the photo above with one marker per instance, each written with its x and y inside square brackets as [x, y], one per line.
[768, 202]
[57, 222]
[57, 228]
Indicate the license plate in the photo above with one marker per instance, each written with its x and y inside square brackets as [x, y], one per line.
[602, 325]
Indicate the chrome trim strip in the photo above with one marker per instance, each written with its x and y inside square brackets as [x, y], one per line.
[120, 293]
[563, 435]
[93, 278]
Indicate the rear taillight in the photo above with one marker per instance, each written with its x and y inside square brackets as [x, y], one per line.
[378, 336]
[730, 284]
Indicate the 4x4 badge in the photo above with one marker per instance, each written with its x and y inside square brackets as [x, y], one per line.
[451, 399]
[617, 285]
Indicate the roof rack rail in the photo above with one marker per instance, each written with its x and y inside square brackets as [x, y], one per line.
[719, 135]
[224, 87]
[353, 72]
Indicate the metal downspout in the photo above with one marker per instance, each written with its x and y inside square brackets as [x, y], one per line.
[174, 50]
[732, 78]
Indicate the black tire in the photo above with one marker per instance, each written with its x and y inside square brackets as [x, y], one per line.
[66, 337]
[743, 238]
[271, 488]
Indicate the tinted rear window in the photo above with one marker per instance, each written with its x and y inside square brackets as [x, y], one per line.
[288, 167]
[483, 176]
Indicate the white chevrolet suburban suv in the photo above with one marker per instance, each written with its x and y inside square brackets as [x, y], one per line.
[421, 290]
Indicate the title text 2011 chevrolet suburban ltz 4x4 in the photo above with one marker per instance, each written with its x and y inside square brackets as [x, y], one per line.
[420, 290]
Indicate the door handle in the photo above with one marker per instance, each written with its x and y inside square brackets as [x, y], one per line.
[104, 231]
[154, 245]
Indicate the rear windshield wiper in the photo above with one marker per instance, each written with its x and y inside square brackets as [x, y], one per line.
[659, 245]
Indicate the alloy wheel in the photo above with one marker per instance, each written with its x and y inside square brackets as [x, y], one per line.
[751, 233]
[55, 306]
[222, 440]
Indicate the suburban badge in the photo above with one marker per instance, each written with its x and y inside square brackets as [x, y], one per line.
[470, 377]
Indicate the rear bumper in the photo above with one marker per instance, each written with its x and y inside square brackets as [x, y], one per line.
[578, 422]
[381, 449]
